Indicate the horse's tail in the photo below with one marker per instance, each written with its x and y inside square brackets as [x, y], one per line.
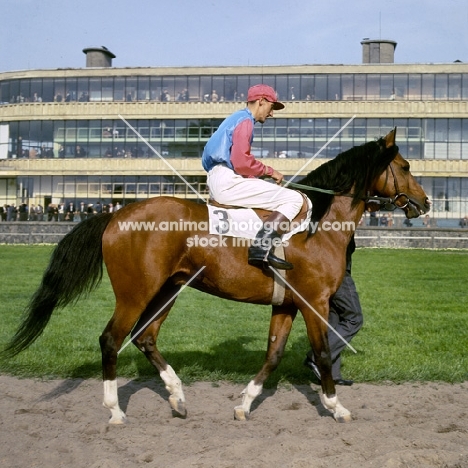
[75, 268]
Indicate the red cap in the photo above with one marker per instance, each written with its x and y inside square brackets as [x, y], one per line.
[264, 91]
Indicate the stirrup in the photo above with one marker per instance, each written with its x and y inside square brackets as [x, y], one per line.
[266, 259]
[279, 263]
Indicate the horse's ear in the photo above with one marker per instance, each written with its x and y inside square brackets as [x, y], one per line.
[390, 138]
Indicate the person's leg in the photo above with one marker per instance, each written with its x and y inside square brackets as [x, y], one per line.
[267, 238]
[346, 318]
[229, 188]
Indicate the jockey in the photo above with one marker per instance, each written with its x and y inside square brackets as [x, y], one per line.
[235, 176]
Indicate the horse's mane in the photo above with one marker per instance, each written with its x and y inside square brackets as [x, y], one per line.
[356, 168]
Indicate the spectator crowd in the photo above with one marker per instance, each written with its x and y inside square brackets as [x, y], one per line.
[55, 212]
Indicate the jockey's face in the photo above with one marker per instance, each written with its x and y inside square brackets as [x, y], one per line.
[263, 109]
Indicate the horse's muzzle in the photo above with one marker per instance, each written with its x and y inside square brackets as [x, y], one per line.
[414, 209]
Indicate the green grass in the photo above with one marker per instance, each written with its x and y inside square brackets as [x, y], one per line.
[414, 302]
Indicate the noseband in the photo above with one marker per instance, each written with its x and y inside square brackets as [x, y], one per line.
[400, 200]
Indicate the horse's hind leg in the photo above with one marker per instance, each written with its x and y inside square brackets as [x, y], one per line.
[280, 326]
[144, 337]
[111, 340]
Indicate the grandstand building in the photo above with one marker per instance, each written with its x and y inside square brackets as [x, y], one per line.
[108, 134]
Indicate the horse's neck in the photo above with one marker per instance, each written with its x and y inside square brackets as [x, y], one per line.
[342, 213]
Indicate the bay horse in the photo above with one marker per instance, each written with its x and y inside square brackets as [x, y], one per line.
[147, 268]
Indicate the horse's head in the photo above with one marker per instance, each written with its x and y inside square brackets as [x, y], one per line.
[399, 185]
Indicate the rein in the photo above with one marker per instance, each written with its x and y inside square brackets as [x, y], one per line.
[388, 203]
[308, 187]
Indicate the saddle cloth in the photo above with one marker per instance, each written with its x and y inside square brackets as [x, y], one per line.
[245, 222]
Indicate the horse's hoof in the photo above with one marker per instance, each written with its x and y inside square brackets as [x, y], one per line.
[345, 418]
[178, 408]
[116, 421]
[182, 414]
[240, 414]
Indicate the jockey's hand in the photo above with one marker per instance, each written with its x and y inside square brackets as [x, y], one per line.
[277, 176]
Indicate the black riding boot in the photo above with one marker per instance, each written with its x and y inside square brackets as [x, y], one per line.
[261, 251]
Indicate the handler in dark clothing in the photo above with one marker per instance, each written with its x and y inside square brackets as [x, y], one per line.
[345, 317]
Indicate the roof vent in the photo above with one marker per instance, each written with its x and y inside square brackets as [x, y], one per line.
[378, 51]
[98, 57]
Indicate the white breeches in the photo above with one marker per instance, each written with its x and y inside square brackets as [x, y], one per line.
[229, 188]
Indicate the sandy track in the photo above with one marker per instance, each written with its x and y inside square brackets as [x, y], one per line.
[63, 424]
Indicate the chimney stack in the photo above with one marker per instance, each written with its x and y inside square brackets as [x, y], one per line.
[378, 51]
[98, 57]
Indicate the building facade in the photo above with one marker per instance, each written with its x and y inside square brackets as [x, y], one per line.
[109, 134]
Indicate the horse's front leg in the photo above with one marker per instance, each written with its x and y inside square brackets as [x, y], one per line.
[280, 327]
[317, 330]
